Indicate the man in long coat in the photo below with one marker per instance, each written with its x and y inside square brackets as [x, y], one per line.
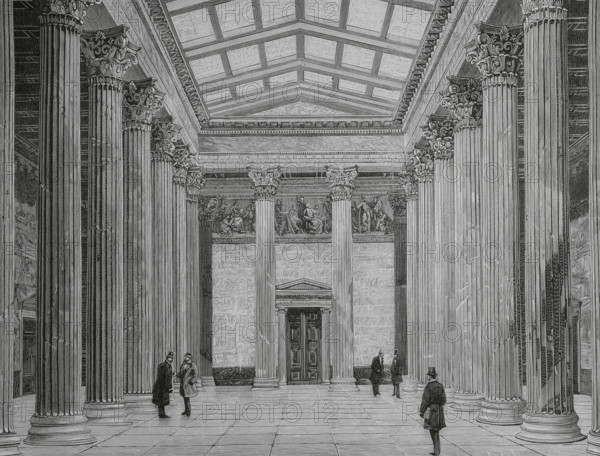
[188, 375]
[434, 399]
[163, 385]
[396, 374]
[377, 372]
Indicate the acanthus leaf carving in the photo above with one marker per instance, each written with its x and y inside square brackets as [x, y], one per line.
[195, 182]
[181, 163]
[265, 181]
[398, 203]
[141, 100]
[408, 179]
[341, 181]
[422, 161]
[164, 135]
[73, 8]
[109, 53]
[439, 132]
[464, 99]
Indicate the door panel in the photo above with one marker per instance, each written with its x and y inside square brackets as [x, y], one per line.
[304, 340]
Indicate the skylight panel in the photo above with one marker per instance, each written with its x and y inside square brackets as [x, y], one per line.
[320, 79]
[367, 16]
[208, 67]
[277, 11]
[394, 66]
[194, 26]
[251, 92]
[350, 86]
[384, 94]
[283, 48]
[175, 5]
[244, 59]
[285, 79]
[218, 96]
[319, 48]
[235, 17]
[358, 57]
[408, 23]
[323, 11]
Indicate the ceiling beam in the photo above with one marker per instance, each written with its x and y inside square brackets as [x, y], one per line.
[427, 5]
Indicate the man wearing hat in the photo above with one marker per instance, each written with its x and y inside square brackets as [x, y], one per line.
[377, 372]
[163, 385]
[187, 382]
[396, 374]
[434, 399]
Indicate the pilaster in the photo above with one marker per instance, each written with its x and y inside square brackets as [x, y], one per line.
[282, 345]
[205, 264]
[325, 345]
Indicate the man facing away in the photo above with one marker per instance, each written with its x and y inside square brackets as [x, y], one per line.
[377, 372]
[434, 399]
[163, 385]
[396, 374]
[187, 382]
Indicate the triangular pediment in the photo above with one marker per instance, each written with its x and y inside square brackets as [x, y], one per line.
[303, 285]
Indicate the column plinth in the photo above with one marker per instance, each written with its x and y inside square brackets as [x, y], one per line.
[341, 183]
[58, 418]
[265, 182]
[550, 414]
[108, 54]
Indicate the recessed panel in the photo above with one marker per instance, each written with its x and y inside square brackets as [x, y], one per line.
[281, 49]
[357, 57]
[408, 23]
[323, 11]
[244, 59]
[394, 66]
[208, 67]
[235, 17]
[350, 86]
[367, 16]
[194, 26]
[277, 12]
[319, 48]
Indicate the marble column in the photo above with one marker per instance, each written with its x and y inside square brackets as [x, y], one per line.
[439, 131]
[265, 182]
[181, 163]
[594, 167]
[341, 183]
[205, 217]
[463, 99]
[398, 203]
[58, 417]
[9, 440]
[496, 52]
[282, 346]
[164, 135]
[141, 100]
[108, 54]
[550, 415]
[325, 345]
[411, 190]
[422, 160]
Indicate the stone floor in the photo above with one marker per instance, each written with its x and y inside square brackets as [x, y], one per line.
[299, 420]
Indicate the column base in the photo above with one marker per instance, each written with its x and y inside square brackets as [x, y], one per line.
[265, 383]
[343, 384]
[59, 430]
[208, 381]
[593, 443]
[450, 393]
[9, 445]
[501, 412]
[410, 385]
[420, 388]
[545, 428]
[325, 382]
[139, 404]
[108, 413]
[465, 402]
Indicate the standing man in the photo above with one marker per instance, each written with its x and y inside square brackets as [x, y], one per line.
[377, 372]
[163, 385]
[187, 382]
[396, 374]
[432, 408]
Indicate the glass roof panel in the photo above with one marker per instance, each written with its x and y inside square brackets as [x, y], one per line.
[284, 79]
[283, 48]
[320, 79]
[319, 49]
[208, 67]
[358, 57]
[350, 86]
[194, 26]
[389, 95]
[394, 66]
[408, 23]
[323, 11]
[366, 16]
[179, 4]
[235, 17]
[277, 12]
[244, 59]
[251, 92]
[218, 96]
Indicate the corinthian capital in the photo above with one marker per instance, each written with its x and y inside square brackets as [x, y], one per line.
[439, 132]
[497, 51]
[341, 181]
[181, 162]
[73, 10]
[141, 100]
[408, 179]
[109, 52]
[464, 99]
[398, 203]
[265, 181]
[195, 182]
[164, 135]
[422, 161]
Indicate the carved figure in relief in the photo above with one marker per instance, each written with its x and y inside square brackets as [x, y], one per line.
[312, 221]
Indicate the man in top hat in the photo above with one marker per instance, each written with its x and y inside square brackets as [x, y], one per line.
[434, 399]
[377, 372]
[188, 375]
[163, 385]
[396, 374]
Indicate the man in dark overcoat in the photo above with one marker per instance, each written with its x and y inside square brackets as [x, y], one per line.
[377, 372]
[396, 374]
[163, 385]
[188, 375]
[432, 408]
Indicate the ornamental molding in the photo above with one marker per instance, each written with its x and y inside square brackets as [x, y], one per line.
[439, 132]
[164, 136]
[109, 52]
[398, 203]
[184, 72]
[195, 182]
[497, 52]
[141, 101]
[341, 181]
[292, 239]
[464, 99]
[74, 11]
[181, 163]
[421, 159]
[408, 180]
[265, 181]
[302, 127]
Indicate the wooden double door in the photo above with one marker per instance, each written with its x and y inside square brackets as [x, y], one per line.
[304, 346]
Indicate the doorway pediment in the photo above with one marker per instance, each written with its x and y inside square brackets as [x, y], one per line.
[301, 292]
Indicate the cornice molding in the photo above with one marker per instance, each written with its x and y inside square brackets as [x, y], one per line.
[305, 239]
[301, 127]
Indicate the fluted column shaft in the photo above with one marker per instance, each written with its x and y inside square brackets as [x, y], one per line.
[594, 83]
[265, 184]
[550, 415]
[325, 345]
[141, 100]
[341, 183]
[108, 56]
[8, 438]
[58, 417]
[496, 53]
